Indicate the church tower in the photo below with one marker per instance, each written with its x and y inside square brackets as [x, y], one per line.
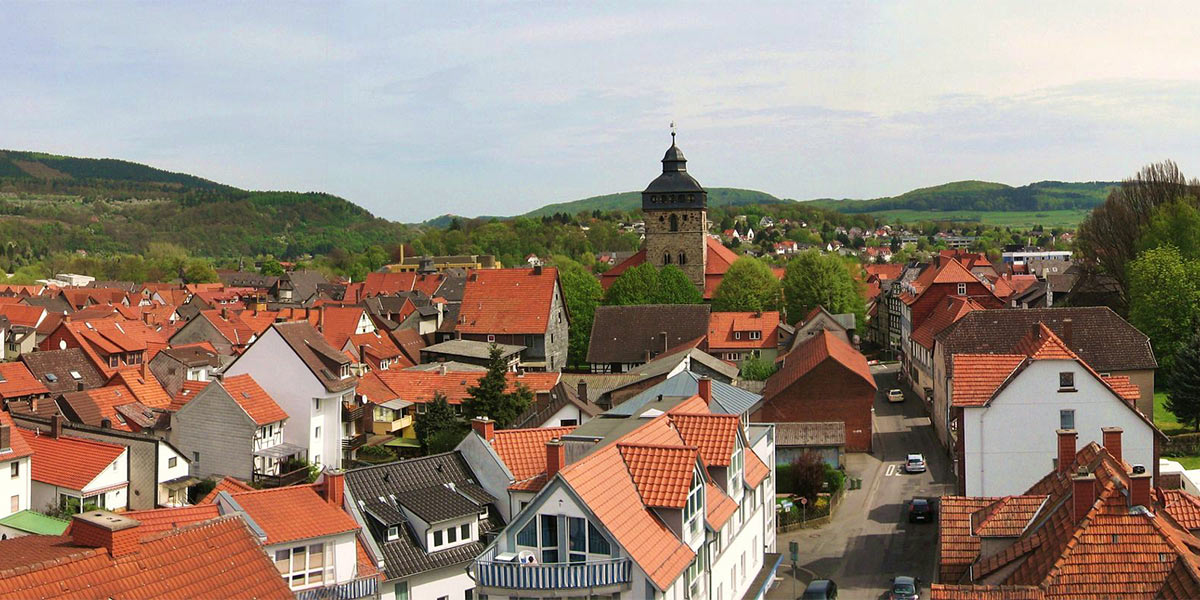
[676, 211]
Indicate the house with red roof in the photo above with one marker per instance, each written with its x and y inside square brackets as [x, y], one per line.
[1091, 526]
[519, 307]
[228, 331]
[738, 336]
[641, 499]
[17, 383]
[106, 555]
[823, 379]
[16, 484]
[74, 474]
[1005, 403]
[110, 343]
[232, 427]
[951, 309]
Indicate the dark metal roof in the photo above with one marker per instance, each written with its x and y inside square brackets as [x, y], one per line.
[674, 188]
[437, 503]
[623, 334]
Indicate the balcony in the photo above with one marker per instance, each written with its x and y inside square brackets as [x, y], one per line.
[354, 442]
[359, 587]
[391, 427]
[354, 413]
[293, 477]
[597, 576]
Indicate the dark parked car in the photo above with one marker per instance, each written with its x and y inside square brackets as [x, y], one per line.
[820, 589]
[905, 588]
[920, 510]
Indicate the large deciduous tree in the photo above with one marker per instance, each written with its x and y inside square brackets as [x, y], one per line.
[582, 292]
[1183, 385]
[674, 287]
[813, 279]
[748, 285]
[1163, 300]
[634, 286]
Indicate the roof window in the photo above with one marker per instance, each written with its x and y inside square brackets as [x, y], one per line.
[76, 376]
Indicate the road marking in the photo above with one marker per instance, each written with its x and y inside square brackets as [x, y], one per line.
[891, 470]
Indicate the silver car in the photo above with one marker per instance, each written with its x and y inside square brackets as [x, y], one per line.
[914, 464]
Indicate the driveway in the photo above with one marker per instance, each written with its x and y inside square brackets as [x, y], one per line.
[870, 539]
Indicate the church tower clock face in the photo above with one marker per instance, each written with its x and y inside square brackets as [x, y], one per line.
[675, 207]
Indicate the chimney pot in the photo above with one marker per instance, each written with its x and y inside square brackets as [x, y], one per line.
[103, 529]
[556, 457]
[1066, 449]
[705, 388]
[1139, 489]
[1112, 441]
[485, 427]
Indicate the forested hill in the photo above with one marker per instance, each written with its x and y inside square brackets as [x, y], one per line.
[627, 201]
[52, 203]
[984, 196]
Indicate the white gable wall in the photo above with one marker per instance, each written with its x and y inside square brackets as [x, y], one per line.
[1012, 443]
[19, 487]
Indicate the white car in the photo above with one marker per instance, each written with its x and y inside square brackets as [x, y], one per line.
[914, 464]
[895, 395]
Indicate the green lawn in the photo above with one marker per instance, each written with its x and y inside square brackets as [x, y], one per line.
[1022, 219]
[1164, 419]
[1188, 462]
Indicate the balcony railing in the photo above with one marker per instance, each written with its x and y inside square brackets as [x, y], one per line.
[389, 427]
[562, 576]
[281, 480]
[354, 441]
[355, 413]
[359, 587]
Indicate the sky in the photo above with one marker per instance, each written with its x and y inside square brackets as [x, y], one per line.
[416, 109]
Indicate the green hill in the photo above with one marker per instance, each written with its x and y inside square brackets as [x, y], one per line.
[983, 196]
[633, 200]
[52, 203]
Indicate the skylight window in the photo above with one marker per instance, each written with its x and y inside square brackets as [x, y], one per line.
[51, 377]
[75, 375]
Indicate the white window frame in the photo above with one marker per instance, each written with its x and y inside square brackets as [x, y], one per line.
[307, 571]
[962, 289]
[694, 507]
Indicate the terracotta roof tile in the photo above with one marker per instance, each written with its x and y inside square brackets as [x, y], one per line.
[19, 447]
[722, 327]
[978, 376]
[805, 357]
[161, 520]
[662, 474]
[948, 312]
[294, 513]
[69, 462]
[16, 381]
[719, 506]
[420, 386]
[1007, 517]
[756, 469]
[507, 301]
[942, 591]
[1124, 387]
[339, 323]
[714, 435]
[524, 452]
[1182, 506]
[144, 388]
[253, 399]
[957, 547]
[226, 484]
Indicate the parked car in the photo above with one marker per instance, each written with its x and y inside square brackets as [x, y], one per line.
[914, 464]
[905, 588]
[920, 510]
[895, 395]
[820, 589]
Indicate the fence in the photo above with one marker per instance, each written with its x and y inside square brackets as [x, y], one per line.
[810, 517]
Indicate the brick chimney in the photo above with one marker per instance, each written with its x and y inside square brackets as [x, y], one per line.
[56, 426]
[1083, 494]
[1139, 489]
[1068, 332]
[102, 529]
[582, 390]
[1112, 441]
[1036, 330]
[485, 427]
[662, 338]
[556, 457]
[705, 388]
[335, 480]
[1066, 449]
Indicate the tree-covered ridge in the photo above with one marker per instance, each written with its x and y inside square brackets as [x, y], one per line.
[627, 201]
[983, 196]
[21, 165]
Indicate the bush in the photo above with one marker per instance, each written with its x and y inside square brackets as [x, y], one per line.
[198, 491]
[376, 454]
[834, 479]
[808, 476]
[756, 369]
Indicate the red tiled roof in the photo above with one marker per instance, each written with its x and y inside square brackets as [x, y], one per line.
[714, 435]
[1182, 506]
[1045, 345]
[145, 389]
[943, 591]
[958, 547]
[161, 520]
[888, 271]
[507, 301]
[420, 386]
[216, 559]
[723, 325]
[756, 469]
[1123, 387]
[187, 392]
[226, 484]
[524, 452]
[294, 513]
[980, 376]
[1007, 517]
[259, 405]
[69, 462]
[234, 329]
[16, 381]
[23, 314]
[378, 347]
[805, 357]
[662, 474]
[338, 323]
[20, 447]
[947, 313]
[718, 505]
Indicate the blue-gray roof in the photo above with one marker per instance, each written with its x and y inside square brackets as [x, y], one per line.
[727, 399]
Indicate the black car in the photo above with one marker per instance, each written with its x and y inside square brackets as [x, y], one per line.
[920, 510]
[905, 588]
[820, 589]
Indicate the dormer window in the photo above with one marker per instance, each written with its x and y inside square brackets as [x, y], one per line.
[756, 335]
[393, 533]
[695, 505]
[737, 335]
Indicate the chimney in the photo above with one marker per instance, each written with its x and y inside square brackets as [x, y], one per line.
[705, 391]
[56, 426]
[537, 269]
[556, 457]
[1068, 331]
[106, 423]
[1139, 489]
[1066, 450]
[1083, 494]
[1035, 329]
[335, 480]
[485, 427]
[582, 390]
[362, 353]
[646, 356]
[1112, 441]
[662, 336]
[5, 436]
[102, 529]
[79, 386]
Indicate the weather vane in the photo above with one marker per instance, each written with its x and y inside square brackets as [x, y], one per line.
[672, 133]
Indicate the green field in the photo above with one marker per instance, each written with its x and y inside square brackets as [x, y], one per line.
[1024, 219]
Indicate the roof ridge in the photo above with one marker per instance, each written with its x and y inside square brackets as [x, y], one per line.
[36, 433]
[82, 553]
[528, 429]
[277, 489]
[656, 446]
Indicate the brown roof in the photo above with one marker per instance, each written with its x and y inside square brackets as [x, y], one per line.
[623, 334]
[1099, 336]
[805, 357]
[831, 433]
[59, 364]
[321, 358]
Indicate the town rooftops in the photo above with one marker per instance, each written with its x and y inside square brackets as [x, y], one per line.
[950, 310]
[259, 405]
[420, 386]
[628, 334]
[294, 513]
[317, 354]
[732, 330]
[472, 349]
[508, 301]
[69, 462]
[812, 352]
[16, 382]
[523, 452]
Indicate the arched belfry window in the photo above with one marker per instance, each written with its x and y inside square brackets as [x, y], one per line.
[683, 258]
[674, 222]
[666, 258]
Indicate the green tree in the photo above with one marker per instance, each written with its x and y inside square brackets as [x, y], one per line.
[270, 266]
[674, 287]
[491, 398]
[438, 416]
[1163, 300]
[1183, 384]
[813, 279]
[198, 270]
[748, 285]
[635, 286]
[756, 369]
[808, 476]
[1176, 223]
[582, 292]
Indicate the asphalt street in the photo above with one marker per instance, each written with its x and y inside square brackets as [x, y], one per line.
[870, 539]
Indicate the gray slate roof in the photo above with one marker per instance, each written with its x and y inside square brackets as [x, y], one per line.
[437, 503]
[810, 434]
[623, 334]
[471, 349]
[727, 399]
